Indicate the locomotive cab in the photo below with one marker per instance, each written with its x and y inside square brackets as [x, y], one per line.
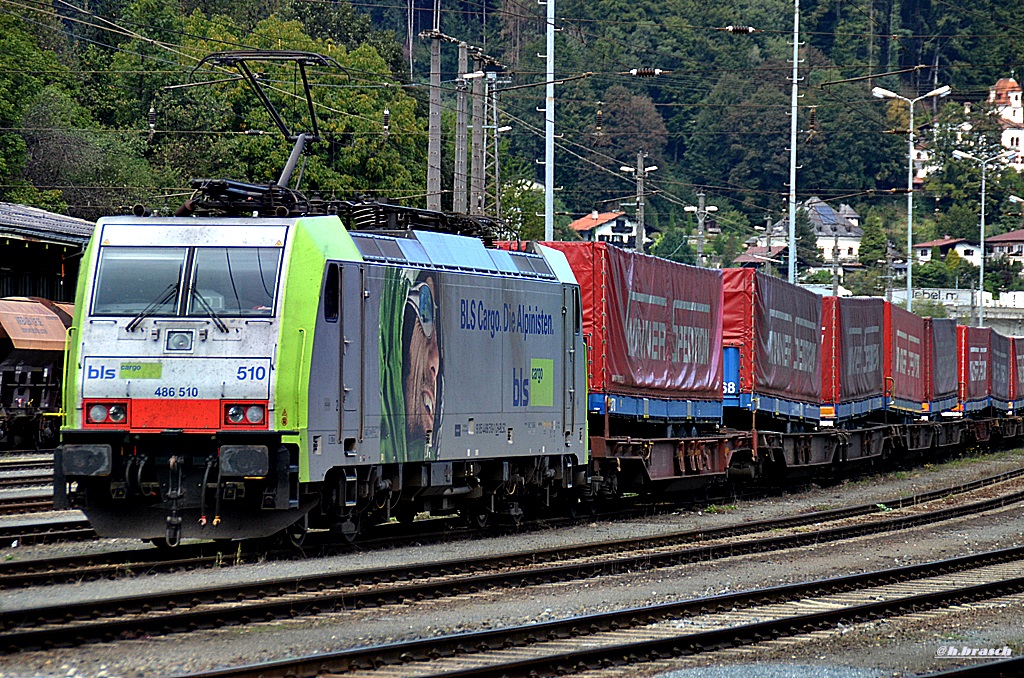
[171, 372]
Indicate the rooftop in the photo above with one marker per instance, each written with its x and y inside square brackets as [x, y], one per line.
[32, 223]
[594, 219]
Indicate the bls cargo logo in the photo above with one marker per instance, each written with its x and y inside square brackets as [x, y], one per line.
[100, 372]
[534, 386]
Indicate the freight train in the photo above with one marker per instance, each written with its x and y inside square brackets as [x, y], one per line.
[264, 362]
[233, 378]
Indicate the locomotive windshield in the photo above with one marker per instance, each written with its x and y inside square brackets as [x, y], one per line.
[224, 281]
[131, 280]
[234, 281]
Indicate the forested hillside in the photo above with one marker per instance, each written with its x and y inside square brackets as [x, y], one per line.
[93, 118]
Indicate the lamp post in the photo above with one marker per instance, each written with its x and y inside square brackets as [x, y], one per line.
[641, 174]
[702, 213]
[1002, 155]
[887, 94]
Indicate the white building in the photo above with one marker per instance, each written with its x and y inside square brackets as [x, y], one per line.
[610, 227]
[965, 250]
[833, 230]
[1005, 98]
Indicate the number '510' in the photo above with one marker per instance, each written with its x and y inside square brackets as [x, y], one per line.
[258, 373]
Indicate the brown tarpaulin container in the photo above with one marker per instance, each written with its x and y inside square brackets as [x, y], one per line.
[30, 325]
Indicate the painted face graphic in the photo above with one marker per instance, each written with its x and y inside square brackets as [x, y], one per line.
[423, 361]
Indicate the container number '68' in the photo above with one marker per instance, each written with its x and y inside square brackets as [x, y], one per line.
[257, 373]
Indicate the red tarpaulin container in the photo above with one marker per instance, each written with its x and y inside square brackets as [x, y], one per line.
[777, 328]
[905, 346]
[1000, 364]
[973, 360]
[940, 369]
[1016, 368]
[851, 349]
[654, 327]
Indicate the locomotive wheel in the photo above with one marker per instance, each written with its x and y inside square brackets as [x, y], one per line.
[405, 513]
[348, 529]
[476, 516]
[297, 531]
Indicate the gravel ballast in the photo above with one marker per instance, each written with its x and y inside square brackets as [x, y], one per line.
[894, 648]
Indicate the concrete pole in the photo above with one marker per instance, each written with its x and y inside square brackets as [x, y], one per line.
[434, 125]
[910, 208]
[461, 133]
[701, 214]
[792, 142]
[476, 168]
[835, 261]
[641, 231]
[981, 269]
[549, 129]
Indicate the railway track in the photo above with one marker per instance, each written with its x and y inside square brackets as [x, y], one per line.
[60, 529]
[27, 462]
[672, 630]
[25, 479]
[20, 504]
[245, 603]
[147, 560]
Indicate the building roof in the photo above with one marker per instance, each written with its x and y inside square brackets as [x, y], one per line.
[827, 222]
[1012, 236]
[1000, 92]
[594, 219]
[942, 242]
[848, 212]
[32, 223]
[758, 255]
[824, 220]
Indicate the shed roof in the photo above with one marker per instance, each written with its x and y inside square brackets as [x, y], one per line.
[32, 223]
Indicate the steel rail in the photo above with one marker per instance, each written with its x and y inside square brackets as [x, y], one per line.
[422, 650]
[164, 613]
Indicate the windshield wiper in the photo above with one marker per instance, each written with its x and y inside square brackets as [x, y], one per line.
[221, 325]
[169, 293]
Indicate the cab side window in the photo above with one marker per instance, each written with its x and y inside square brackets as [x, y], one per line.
[332, 294]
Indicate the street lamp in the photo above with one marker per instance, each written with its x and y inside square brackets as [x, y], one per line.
[702, 213]
[641, 173]
[1002, 155]
[881, 93]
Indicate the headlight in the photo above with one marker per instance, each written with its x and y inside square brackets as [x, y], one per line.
[254, 414]
[236, 414]
[98, 414]
[116, 413]
[179, 340]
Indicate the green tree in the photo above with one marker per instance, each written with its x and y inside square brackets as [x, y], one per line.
[873, 242]
[674, 245]
[807, 252]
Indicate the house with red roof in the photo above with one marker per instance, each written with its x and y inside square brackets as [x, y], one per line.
[1009, 245]
[966, 250]
[611, 227]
